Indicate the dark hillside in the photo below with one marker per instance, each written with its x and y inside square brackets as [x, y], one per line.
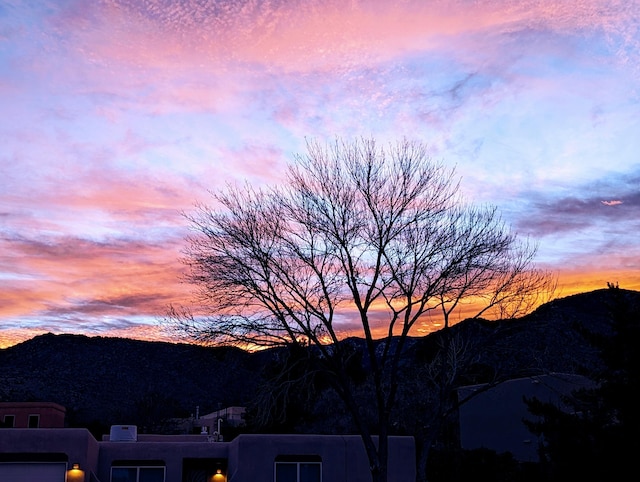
[104, 381]
[548, 340]
[114, 380]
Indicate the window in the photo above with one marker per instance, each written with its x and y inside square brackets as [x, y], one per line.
[9, 421]
[298, 469]
[34, 421]
[137, 474]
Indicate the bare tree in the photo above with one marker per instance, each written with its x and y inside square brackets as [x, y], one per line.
[359, 233]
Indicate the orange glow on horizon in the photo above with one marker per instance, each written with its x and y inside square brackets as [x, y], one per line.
[571, 282]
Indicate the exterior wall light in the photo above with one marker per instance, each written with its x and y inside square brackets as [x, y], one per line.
[75, 474]
[218, 476]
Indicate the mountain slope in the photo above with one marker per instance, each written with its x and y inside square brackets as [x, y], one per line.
[112, 380]
[104, 381]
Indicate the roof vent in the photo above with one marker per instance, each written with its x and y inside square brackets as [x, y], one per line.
[123, 433]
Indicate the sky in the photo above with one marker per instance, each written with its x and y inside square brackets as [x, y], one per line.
[118, 116]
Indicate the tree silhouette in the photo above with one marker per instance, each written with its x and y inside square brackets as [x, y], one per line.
[595, 435]
[361, 240]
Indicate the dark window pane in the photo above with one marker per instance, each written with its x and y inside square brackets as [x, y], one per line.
[286, 472]
[151, 474]
[123, 474]
[34, 421]
[195, 475]
[309, 472]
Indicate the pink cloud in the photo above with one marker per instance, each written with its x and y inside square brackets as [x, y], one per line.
[81, 280]
[210, 56]
[228, 57]
[315, 35]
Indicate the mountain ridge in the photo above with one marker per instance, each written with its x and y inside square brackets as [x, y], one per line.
[108, 380]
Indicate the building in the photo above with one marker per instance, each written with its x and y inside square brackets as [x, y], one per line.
[492, 417]
[74, 455]
[210, 423]
[214, 423]
[31, 415]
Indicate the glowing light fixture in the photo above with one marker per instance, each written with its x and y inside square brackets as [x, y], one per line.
[75, 474]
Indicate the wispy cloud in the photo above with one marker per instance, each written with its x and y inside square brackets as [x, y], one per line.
[551, 214]
[120, 114]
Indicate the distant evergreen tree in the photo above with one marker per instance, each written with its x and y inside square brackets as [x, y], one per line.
[595, 435]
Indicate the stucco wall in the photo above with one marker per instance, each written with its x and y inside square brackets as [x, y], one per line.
[344, 459]
[51, 415]
[247, 458]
